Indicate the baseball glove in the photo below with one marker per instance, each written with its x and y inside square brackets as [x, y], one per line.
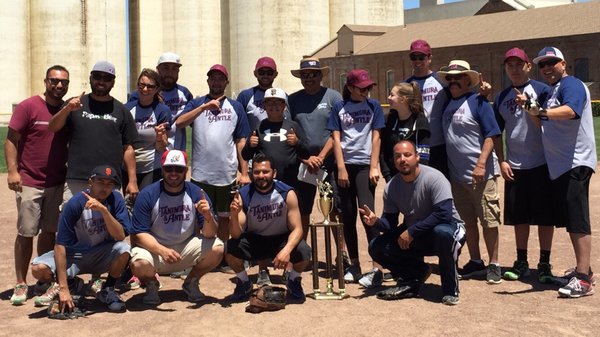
[267, 298]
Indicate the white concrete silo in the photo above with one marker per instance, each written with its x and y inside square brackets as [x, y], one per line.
[77, 34]
[285, 30]
[365, 12]
[14, 34]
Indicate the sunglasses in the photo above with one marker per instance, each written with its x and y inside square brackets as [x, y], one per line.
[454, 77]
[176, 169]
[56, 81]
[141, 86]
[307, 75]
[549, 63]
[365, 89]
[415, 57]
[269, 72]
[102, 77]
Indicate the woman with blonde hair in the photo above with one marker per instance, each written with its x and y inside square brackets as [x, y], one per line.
[406, 121]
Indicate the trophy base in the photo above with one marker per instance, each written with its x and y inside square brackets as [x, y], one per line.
[336, 295]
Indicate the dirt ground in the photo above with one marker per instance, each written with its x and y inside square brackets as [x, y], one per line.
[518, 308]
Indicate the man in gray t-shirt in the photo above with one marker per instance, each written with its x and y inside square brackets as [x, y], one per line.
[431, 227]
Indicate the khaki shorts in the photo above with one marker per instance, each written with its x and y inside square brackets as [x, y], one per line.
[478, 201]
[191, 251]
[38, 209]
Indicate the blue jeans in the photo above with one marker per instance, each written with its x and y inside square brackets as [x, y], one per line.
[443, 241]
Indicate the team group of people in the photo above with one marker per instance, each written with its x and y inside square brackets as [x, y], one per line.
[90, 171]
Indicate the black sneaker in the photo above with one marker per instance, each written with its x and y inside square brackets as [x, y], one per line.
[242, 290]
[472, 269]
[399, 292]
[493, 274]
[295, 290]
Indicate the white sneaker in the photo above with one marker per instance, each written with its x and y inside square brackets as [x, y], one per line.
[192, 289]
[372, 279]
[151, 296]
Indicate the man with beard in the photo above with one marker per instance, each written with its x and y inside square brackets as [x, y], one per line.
[570, 149]
[252, 99]
[101, 131]
[431, 227]
[35, 159]
[174, 228]
[219, 133]
[90, 238]
[469, 127]
[265, 223]
[174, 95]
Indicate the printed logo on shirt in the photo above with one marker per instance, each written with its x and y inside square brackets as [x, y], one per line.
[266, 212]
[323, 105]
[216, 116]
[356, 117]
[429, 94]
[149, 123]
[174, 104]
[281, 135]
[92, 116]
[94, 226]
[175, 214]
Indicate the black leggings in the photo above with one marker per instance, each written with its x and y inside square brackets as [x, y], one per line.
[360, 188]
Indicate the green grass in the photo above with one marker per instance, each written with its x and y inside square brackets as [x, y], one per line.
[189, 144]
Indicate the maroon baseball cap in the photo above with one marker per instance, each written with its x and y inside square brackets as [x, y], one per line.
[518, 53]
[220, 68]
[359, 78]
[266, 62]
[420, 47]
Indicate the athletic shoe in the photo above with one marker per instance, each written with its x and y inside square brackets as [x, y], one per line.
[41, 287]
[405, 288]
[48, 296]
[242, 290]
[95, 285]
[494, 274]
[192, 289]
[151, 296]
[569, 273]
[353, 274]
[19, 296]
[576, 288]
[450, 300]
[388, 276]
[111, 298]
[133, 283]
[472, 269]
[181, 274]
[519, 270]
[295, 290]
[263, 278]
[545, 272]
[372, 279]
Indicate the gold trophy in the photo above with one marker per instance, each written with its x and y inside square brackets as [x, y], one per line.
[325, 200]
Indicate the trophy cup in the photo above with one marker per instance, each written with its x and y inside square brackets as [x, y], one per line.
[325, 200]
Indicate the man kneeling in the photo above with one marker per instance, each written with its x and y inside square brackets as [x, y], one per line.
[265, 223]
[431, 227]
[90, 238]
[174, 228]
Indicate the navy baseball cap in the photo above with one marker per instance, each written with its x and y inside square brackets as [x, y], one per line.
[105, 172]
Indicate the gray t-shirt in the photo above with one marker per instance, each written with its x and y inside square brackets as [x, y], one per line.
[415, 199]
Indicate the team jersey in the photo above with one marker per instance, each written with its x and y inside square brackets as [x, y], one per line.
[176, 99]
[80, 229]
[147, 158]
[523, 139]
[170, 218]
[569, 143]
[355, 121]
[214, 136]
[467, 121]
[430, 86]
[266, 213]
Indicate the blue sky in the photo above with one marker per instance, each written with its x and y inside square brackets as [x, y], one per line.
[408, 4]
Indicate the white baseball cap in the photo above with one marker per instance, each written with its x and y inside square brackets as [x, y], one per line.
[275, 93]
[174, 158]
[105, 67]
[169, 57]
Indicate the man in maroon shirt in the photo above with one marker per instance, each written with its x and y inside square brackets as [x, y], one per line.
[35, 158]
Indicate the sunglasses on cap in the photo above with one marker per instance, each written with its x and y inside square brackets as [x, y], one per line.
[311, 74]
[415, 57]
[97, 76]
[456, 77]
[176, 169]
[548, 63]
[56, 81]
[141, 86]
[268, 72]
